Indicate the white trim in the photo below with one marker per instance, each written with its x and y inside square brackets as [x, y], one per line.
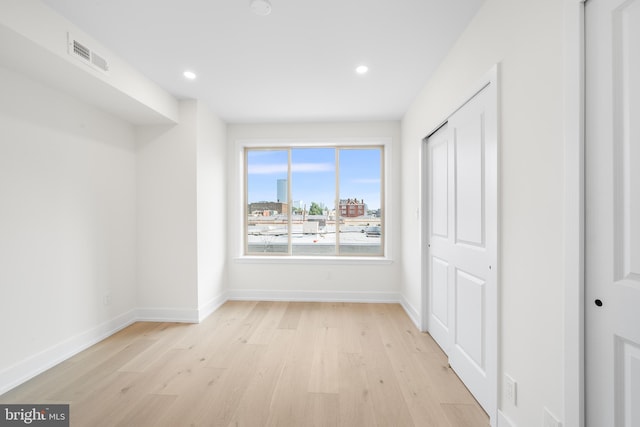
[179, 315]
[211, 306]
[574, 213]
[354, 260]
[424, 235]
[411, 311]
[312, 296]
[34, 365]
[490, 81]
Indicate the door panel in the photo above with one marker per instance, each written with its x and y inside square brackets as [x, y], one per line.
[469, 182]
[627, 103]
[440, 291]
[628, 381]
[469, 334]
[612, 251]
[440, 177]
[462, 243]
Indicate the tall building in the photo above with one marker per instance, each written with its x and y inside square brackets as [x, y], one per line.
[282, 191]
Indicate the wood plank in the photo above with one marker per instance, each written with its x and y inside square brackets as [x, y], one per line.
[321, 410]
[289, 398]
[352, 324]
[149, 412]
[190, 402]
[323, 377]
[235, 335]
[461, 415]
[291, 317]
[218, 404]
[412, 338]
[165, 338]
[267, 328]
[255, 404]
[423, 405]
[92, 377]
[354, 395]
[108, 398]
[390, 407]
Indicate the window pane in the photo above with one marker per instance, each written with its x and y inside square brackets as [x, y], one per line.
[267, 207]
[313, 192]
[361, 228]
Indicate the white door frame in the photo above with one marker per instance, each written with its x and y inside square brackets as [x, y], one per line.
[574, 125]
[489, 82]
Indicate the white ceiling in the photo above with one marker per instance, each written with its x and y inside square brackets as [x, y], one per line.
[296, 64]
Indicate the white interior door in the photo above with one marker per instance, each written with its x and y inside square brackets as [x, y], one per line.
[612, 251]
[462, 239]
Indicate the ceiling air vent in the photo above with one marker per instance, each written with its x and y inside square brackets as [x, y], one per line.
[81, 50]
[85, 54]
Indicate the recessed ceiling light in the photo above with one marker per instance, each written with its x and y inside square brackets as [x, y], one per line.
[260, 7]
[362, 69]
[189, 75]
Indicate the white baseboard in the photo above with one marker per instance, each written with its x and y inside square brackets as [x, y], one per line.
[317, 296]
[34, 365]
[179, 315]
[411, 312]
[207, 309]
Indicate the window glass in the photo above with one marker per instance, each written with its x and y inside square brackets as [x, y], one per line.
[296, 198]
[267, 208]
[313, 189]
[360, 201]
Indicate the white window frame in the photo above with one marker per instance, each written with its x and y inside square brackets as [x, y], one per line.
[237, 222]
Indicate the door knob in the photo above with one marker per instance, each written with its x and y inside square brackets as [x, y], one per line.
[598, 302]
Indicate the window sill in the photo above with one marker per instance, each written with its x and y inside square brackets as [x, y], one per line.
[275, 259]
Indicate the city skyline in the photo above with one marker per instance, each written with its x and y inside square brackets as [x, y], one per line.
[313, 175]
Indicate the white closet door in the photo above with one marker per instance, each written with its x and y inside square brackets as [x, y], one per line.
[462, 195]
[612, 252]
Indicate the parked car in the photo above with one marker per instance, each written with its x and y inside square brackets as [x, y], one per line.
[374, 231]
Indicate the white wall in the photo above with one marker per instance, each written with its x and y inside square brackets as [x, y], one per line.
[525, 37]
[67, 225]
[211, 211]
[167, 227]
[181, 217]
[320, 279]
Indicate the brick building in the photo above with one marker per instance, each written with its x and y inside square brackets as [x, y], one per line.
[351, 208]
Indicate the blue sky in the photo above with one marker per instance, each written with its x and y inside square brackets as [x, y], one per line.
[314, 173]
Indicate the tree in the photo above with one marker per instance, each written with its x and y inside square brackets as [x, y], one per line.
[315, 209]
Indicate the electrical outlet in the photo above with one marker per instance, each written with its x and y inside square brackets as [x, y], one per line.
[106, 299]
[510, 390]
[549, 420]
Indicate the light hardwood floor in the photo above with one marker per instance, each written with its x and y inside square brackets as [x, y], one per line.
[263, 364]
